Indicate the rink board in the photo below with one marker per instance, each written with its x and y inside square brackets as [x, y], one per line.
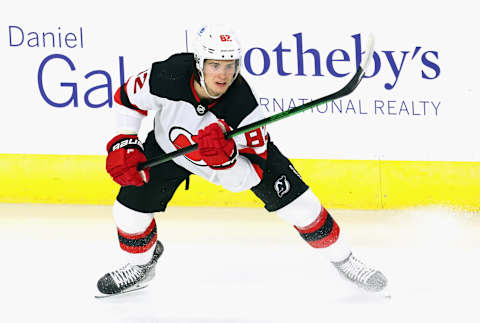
[347, 184]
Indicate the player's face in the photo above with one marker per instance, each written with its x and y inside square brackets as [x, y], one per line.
[218, 75]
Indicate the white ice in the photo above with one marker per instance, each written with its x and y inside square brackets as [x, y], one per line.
[238, 265]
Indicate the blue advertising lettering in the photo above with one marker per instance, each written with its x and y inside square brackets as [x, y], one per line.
[19, 37]
[105, 86]
[393, 61]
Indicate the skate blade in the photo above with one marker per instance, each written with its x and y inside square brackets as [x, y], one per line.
[133, 289]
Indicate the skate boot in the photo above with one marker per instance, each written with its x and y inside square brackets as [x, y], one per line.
[130, 277]
[355, 271]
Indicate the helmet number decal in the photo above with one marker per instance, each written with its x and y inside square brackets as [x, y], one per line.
[225, 38]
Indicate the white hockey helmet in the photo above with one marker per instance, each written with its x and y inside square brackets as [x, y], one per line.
[216, 42]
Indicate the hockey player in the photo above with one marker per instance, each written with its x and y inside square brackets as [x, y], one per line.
[197, 97]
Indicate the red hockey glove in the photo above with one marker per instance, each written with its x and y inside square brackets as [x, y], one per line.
[125, 152]
[215, 150]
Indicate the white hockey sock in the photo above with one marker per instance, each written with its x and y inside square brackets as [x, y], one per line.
[137, 233]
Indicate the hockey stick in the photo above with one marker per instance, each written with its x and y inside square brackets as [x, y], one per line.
[346, 90]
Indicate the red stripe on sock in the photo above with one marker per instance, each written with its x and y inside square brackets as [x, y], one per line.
[137, 236]
[328, 240]
[141, 235]
[139, 249]
[315, 225]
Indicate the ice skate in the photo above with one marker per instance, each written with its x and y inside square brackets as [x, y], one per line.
[357, 272]
[129, 277]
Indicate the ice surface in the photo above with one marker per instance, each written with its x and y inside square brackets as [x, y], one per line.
[238, 265]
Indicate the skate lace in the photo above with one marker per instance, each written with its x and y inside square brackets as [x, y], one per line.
[126, 275]
[356, 270]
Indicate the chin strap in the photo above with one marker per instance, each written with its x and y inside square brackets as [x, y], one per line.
[202, 83]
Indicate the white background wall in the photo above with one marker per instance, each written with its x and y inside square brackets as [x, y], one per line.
[145, 31]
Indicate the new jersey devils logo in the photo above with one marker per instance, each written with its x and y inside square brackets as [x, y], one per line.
[181, 138]
[282, 186]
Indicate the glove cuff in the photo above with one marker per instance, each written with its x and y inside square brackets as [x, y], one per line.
[124, 141]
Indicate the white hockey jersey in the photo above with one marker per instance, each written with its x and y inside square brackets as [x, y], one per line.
[167, 89]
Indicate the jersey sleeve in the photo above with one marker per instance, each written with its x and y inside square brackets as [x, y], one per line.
[132, 101]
